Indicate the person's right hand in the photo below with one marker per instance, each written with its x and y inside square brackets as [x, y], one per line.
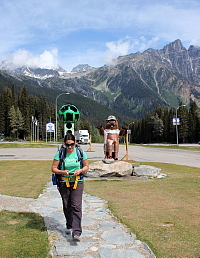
[66, 172]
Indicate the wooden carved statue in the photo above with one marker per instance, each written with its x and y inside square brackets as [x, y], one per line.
[111, 134]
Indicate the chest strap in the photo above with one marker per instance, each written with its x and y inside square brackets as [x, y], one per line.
[67, 179]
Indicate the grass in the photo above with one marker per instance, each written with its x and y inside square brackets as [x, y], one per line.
[49, 145]
[170, 146]
[25, 145]
[23, 235]
[162, 212]
[24, 178]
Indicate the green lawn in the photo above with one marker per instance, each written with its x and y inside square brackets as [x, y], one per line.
[24, 178]
[164, 213]
[23, 235]
[170, 146]
[25, 145]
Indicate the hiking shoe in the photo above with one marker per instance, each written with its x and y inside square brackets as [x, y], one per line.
[76, 238]
[68, 231]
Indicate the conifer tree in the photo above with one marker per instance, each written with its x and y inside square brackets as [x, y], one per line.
[23, 103]
[157, 128]
[193, 122]
[7, 102]
[16, 121]
[148, 128]
[2, 118]
[166, 123]
[184, 124]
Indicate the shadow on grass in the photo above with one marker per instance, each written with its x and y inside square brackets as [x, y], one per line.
[35, 221]
[23, 235]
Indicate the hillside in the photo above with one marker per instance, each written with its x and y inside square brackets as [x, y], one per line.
[141, 81]
[89, 109]
[135, 84]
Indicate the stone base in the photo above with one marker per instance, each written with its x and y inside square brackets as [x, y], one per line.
[116, 168]
[148, 171]
[112, 168]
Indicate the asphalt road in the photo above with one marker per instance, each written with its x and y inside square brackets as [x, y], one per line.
[136, 153]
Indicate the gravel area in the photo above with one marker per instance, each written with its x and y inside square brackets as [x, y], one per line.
[18, 204]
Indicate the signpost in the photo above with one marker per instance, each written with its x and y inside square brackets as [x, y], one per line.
[34, 129]
[126, 157]
[176, 121]
[50, 128]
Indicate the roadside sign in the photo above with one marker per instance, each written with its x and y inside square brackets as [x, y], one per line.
[128, 131]
[176, 121]
[50, 127]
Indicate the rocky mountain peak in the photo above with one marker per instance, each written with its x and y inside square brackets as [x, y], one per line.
[81, 68]
[174, 46]
[194, 51]
[35, 72]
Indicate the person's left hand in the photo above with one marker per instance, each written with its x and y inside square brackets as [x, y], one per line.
[78, 172]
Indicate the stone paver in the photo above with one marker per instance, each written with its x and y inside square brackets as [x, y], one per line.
[103, 236]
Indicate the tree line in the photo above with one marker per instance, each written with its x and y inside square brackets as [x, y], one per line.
[18, 109]
[157, 126]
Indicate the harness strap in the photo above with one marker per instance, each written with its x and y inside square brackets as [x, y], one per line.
[68, 178]
[76, 182]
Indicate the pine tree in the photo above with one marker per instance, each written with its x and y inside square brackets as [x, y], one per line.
[2, 118]
[184, 124]
[23, 103]
[16, 121]
[20, 120]
[7, 102]
[167, 121]
[193, 122]
[157, 127]
[43, 115]
[148, 128]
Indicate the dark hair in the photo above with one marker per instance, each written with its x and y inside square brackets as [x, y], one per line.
[69, 136]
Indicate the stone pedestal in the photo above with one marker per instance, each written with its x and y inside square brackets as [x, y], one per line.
[112, 168]
[115, 169]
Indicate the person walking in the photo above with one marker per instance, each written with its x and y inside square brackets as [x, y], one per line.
[70, 184]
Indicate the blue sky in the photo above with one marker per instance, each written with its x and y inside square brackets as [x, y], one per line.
[49, 33]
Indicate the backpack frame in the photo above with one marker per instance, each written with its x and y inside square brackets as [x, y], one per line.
[62, 156]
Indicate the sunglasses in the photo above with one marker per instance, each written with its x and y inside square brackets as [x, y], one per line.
[70, 145]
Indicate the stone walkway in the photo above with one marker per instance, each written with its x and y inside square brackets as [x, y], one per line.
[103, 236]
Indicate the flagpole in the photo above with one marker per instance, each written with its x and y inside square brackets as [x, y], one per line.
[31, 128]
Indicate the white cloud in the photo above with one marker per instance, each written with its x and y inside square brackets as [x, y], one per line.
[48, 59]
[115, 49]
[126, 46]
[73, 27]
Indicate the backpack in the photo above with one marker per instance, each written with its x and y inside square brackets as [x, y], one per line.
[62, 155]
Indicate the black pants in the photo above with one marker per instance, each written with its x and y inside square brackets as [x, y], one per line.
[72, 206]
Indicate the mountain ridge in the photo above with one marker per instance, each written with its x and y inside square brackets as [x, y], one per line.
[85, 105]
[136, 82]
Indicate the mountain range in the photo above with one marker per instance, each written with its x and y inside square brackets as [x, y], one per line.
[134, 84]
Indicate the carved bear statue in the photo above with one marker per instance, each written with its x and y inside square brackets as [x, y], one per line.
[111, 134]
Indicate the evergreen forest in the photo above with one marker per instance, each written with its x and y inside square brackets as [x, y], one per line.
[20, 110]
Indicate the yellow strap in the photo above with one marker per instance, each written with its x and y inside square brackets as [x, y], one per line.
[66, 179]
[76, 182]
